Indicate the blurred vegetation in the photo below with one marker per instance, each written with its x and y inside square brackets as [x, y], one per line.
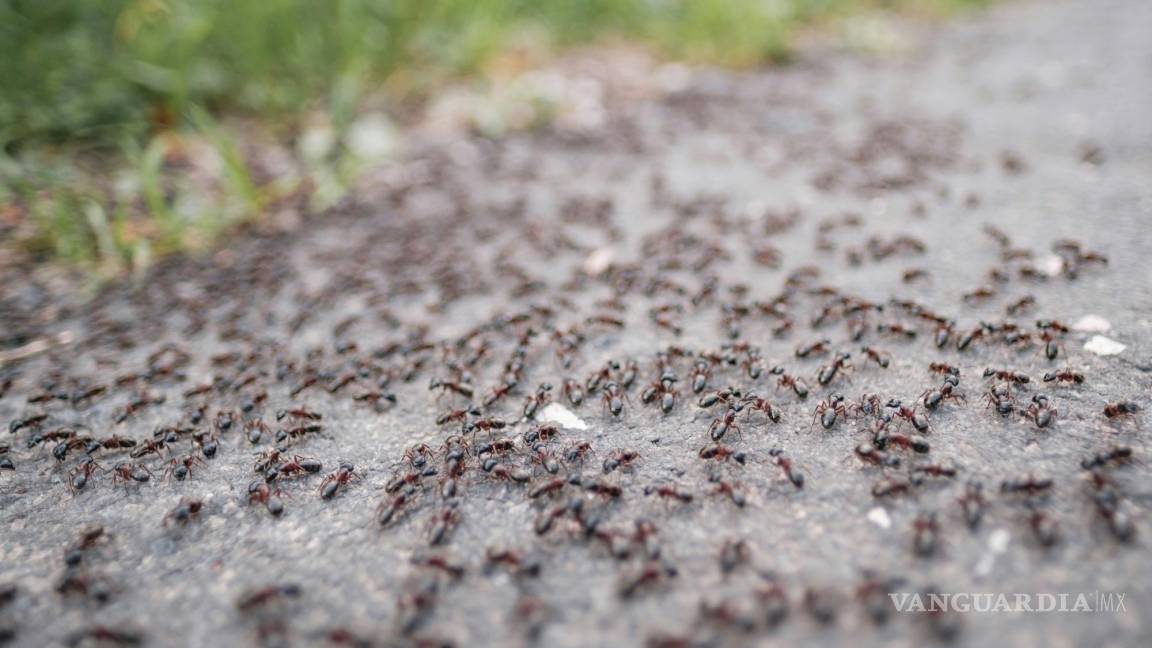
[99, 98]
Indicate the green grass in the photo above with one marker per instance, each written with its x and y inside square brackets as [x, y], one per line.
[92, 85]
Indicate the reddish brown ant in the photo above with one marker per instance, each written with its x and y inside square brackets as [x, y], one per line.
[669, 492]
[266, 596]
[1040, 412]
[891, 487]
[651, 573]
[829, 410]
[577, 451]
[184, 511]
[181, 467]
[1026, 486]
[541, 398]
[573, 392]
[260, 492]
[817, 348]
[299, 413]
[1113, 455]
[448, 386]
[733, 491]
[128, 472]
[442, 524]
[925, 531]
[1064, 376]
[613, 398]
[721, 452]
[797, 385]
[619, 458]
[881, 358]
[723, 424]
[1120, 408]
[550, 487]
[344, 474]
[943, 369]
[827, 373]
[896, 329]
[787, 467]
[870, 454]
[972, 503]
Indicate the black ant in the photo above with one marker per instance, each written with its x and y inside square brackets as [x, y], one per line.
[754, 403]
[701, 373]
[619, 458]
[573, 392]
[727, 396]
[662, 389]
[613, 398]
[819, 347]
[1040, 412]
[533, 403]
[184, 511]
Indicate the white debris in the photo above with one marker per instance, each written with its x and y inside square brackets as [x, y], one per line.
[1092, 324]
[997, 544]
[998, 541]
[1104, 346]
[598, 261]
[1052, 265]
[562, 416]
[879, 517]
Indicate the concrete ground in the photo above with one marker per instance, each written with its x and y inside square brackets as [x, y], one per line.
[727, 203]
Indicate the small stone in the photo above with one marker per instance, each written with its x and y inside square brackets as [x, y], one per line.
[1104, 346]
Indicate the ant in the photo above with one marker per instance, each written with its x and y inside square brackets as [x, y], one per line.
[722, 425]
[1108, 506]
[896, 328]
[787, 467]
[891, 487]
[916, 443]
[78, 476]
[592, 385]
[829, 409]
[266, 596]
[486, 424]
[972, 503]
[181, 467]
[258, 491]
[881, 358]
[33, 421]
[1120, 408]
[619, 458]
[128, 472]
[577, 451]
[440, 563]
[701, 374]
[817, 348]
[1064, 376]
[797, 385]
[1113, 455]
[550, 487]
[184, 511]
[442, 524]
[297, 466]
[935, 469]
[1000, 397]
[721, 452]
[916, 418]
[664, 390]
[1044, 527]
[417, 455]
[651, 573]
[925, 532]
[943, 369]
[827, 373]
[727, 396]
[573, 392]
[542, 397]
[870, 454]
[300, 413]
[978, 295]
[448, 386]
[344, 474]
[755, 403]
[934, 397]
[386, 512]
[732, 491]
[613, 398]
[1040, 412]
[1027, 485]
[670, 493]
[1007, 376]
[461, 415]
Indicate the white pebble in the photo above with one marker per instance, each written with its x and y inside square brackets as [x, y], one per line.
[1103, 346]
[562, 416]
[879, 517]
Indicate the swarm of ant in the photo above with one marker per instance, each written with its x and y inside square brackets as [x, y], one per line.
[163, 419]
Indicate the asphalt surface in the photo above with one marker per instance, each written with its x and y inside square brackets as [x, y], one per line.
[730, 204]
